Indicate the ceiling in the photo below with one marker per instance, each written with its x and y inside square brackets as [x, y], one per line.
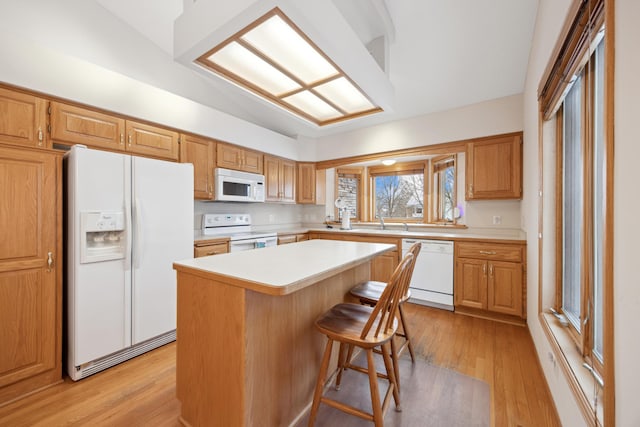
[440, 55]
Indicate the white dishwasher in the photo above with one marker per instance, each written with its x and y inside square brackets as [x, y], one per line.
[432, 280]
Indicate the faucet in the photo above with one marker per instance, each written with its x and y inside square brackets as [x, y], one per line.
[406, 227]
[381, 223]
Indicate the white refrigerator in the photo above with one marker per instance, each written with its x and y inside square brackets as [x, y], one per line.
[128, 219]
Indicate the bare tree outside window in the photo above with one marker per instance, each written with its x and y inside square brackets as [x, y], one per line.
[399, 196]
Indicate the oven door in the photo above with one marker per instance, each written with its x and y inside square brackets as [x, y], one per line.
[248, 244]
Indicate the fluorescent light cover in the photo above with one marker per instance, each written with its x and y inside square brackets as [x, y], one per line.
[345, 95]
[250, 67]
[277, 40]
[388, 162]
[311, 104]
[273, 59]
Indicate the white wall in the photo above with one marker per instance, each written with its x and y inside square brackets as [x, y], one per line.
[551, 16]
[493, 117]
[626, 208]
[77, 50]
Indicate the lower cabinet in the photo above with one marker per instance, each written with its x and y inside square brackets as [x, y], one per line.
[284, 239]
[489, 280]
[30, 271]
[210, 247]
[382, 266]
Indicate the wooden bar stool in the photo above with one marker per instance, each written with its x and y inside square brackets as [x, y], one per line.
[364, 327]
[369, 293]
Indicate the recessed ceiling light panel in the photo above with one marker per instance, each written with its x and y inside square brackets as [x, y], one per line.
[274, 59]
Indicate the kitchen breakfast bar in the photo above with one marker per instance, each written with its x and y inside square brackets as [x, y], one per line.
[248, 353]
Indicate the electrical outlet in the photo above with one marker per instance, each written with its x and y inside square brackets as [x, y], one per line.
[497, 220]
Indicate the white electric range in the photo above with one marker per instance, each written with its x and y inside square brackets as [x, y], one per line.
[238, 228]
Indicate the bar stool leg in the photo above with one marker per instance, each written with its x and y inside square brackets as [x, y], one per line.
[373, 385]
[341, 363]
[406, 333]
[317, 395]
[392, 374]
[395, 361]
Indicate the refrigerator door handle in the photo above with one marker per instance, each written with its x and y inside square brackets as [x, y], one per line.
[127, 253]
[137, 258]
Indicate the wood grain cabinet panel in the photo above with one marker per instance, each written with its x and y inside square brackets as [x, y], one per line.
[152, 141]
[306, 184]
[489, 280]
[75, 125]
[200, 152]
[23, 118]
[280, 179]
[30, 271]
[494, 168]
[237, 158]
[211, 249]
[471, 289]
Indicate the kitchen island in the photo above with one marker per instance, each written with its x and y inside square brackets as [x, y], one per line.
[247, 350]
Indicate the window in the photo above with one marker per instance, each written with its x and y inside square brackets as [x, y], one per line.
[444, 189]
[349, 189]
[574, 95]
[397, 192]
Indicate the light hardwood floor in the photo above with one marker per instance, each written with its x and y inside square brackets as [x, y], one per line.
[141, 392]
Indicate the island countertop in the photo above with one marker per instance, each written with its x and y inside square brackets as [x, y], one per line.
[281, 270]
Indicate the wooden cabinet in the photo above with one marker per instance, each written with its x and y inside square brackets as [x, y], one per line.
[237, 158]
[306, 183]
[494, 168]
[292, 238]
[23, 118]
[30, 271]
[383, 265]
[280, 179]
[210, 247]
[151, 141]
[200, 152]
[489, 279]
[76, 125]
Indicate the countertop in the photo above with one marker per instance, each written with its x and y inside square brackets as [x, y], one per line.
[281, 270]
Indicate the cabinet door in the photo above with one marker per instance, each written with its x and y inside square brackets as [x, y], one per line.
[272, 178]
[287, 181]
[494, 168]
[505, 288]
[207, 250]
[30, 291]
[382, 266]
[200, 153]
[471, 283]
[77, 125]
[152, 141]
[228, 156]
[306, 188]
[284, 240]
[22, 118]
[251, 161]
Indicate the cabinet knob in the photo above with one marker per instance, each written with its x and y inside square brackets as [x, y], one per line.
[129, 140]
[40, 137]
[488, 252]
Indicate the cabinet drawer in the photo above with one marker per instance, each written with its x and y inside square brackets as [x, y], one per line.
[218, 248]
[491, 251]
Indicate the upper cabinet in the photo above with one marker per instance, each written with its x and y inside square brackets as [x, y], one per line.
[306, 188]
[23, 118]
[494, 168]
[237, 158]
[200, 152]
[76, 125]
[91, 128]
[152, 141]
[280, 178]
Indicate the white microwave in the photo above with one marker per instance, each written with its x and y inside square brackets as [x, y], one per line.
[236, 186]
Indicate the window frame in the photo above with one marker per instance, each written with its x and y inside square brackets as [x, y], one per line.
[573, 52]
[354, 172]
[403, 168]
[435, 210]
